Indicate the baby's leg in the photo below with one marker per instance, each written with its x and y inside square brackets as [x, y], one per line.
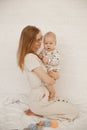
[51, 92]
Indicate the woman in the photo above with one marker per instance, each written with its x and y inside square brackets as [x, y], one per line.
[29, 62]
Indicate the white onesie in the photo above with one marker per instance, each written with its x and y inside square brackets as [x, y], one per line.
[53, 59]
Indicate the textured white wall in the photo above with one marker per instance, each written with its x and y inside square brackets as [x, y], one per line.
[68, 19]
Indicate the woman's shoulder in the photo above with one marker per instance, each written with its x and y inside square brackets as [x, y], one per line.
[30, 56]
[31, 61]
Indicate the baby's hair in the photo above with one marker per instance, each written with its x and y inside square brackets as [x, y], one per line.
[50, 34]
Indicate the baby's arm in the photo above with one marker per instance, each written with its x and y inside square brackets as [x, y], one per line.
[40, 56]
[43, 58]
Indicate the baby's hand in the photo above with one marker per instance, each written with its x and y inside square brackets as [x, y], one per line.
[40, 56]
[45, 60]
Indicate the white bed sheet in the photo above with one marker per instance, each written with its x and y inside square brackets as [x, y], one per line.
[12, 115]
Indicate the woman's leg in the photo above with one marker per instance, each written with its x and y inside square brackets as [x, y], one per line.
[56, 110]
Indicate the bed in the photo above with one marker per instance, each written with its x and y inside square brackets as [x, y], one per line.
[12, 116]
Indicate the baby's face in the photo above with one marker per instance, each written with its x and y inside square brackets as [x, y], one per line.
[49, 43]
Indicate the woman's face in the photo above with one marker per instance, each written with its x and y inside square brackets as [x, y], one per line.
[36, 45]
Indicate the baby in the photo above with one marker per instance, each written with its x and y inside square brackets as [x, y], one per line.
[50, 55]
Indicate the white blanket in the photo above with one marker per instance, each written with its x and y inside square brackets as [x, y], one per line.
[12, 116]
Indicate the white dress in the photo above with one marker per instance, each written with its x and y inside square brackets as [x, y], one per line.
[38, 97]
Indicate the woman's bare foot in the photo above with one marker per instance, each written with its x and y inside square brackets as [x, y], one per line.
[30, 113]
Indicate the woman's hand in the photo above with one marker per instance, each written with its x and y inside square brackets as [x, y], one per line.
[54, 74]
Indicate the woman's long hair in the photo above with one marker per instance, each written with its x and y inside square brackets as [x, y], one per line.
[27, 38]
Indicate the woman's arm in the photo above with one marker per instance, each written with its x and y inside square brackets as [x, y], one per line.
[33, 64]
[44, 76]
[46, 79]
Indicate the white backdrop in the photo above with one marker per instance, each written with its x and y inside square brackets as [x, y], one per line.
[68, 19]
